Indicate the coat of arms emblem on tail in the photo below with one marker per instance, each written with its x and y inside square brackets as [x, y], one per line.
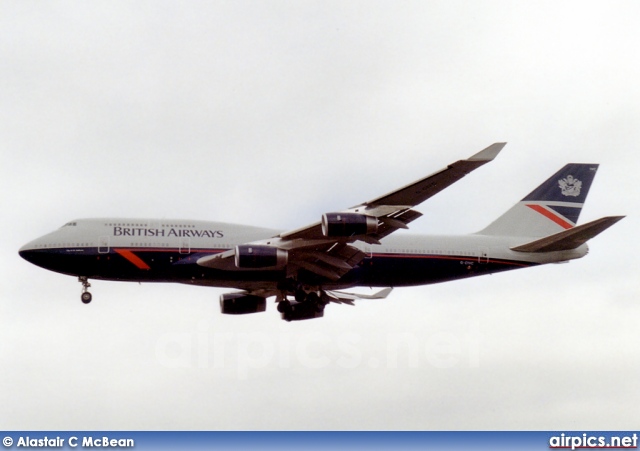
[570, 186]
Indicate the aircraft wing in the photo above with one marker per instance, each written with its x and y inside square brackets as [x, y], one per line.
[393, 210]
[324, 248]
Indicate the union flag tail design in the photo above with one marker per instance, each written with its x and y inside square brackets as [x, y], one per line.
[552, 207]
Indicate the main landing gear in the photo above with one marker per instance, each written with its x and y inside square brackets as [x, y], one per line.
[306, 305]
[86, 296]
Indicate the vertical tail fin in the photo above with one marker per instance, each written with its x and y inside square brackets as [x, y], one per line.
[552, 207]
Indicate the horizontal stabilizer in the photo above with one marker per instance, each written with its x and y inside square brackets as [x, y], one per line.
[569, 239]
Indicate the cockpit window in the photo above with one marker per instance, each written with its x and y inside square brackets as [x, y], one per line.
[70, 224]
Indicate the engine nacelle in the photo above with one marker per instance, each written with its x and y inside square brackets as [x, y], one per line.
[260, 257]
[348, 224]
[241, 303]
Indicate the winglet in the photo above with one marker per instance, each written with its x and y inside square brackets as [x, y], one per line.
[489, 153]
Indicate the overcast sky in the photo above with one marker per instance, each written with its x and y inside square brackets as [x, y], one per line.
[272, 113]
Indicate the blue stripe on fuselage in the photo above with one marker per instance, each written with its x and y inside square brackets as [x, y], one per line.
[169, 265]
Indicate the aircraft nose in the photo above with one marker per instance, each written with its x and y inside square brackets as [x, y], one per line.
[58, 259]
[35, 254]
[27, 252]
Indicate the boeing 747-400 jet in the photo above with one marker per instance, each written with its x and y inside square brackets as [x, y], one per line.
[306, 268]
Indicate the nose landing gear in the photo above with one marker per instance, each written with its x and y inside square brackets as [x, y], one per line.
[86, 296]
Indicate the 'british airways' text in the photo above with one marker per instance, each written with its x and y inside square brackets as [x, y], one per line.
[142, 231]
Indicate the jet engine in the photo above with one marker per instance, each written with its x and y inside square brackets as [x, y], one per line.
[260, 257]
[242, 303]
[348, 224]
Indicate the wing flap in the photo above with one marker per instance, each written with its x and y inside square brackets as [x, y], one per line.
[332, 263]
[394, 221]
[569, 239]
[329, 273]
[342, 297]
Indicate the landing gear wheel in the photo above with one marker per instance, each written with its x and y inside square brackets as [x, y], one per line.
[86, 297]
[323, 299]
[284, 306]
[316, 301]
[300, 295]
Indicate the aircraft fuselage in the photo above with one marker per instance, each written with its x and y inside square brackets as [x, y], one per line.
[167, 251]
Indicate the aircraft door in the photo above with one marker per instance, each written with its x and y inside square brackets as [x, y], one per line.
[103, 245]
[368, 252]
[185, 245]
[483, 257]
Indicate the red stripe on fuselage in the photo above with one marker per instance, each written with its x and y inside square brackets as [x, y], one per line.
[555, 218]
[458, 258]
[133, 258]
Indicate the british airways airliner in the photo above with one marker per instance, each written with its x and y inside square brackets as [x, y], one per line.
[307, 268]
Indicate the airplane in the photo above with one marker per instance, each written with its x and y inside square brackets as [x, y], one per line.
[308, 268]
